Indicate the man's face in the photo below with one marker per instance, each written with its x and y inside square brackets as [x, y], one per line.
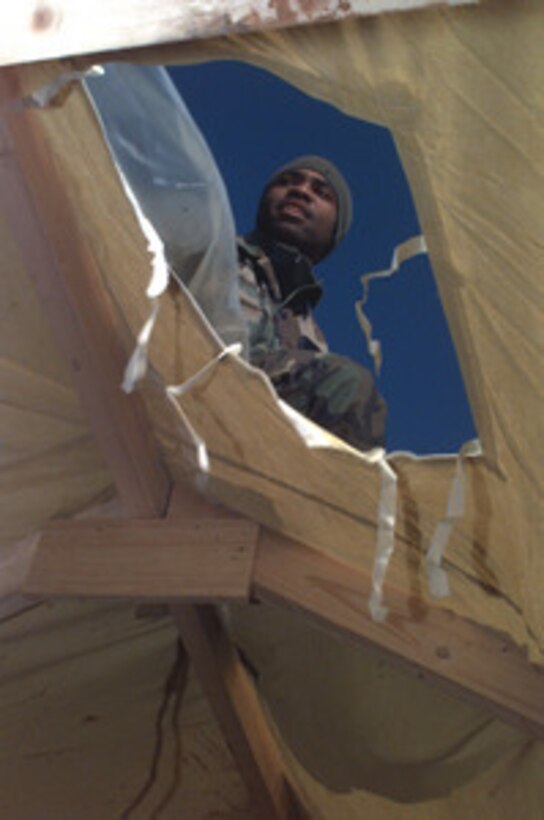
[299, 208]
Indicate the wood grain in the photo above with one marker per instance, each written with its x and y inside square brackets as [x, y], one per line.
[84, 321]
[196, 560]
[471, 661]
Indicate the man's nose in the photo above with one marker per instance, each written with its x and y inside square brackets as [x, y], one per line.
[301, 189]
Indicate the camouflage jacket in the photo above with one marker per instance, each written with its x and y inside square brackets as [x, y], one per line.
[279, 317]
[278, 291]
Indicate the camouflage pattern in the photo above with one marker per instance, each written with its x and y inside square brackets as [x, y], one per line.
[335, 392]
[275, 324]
[285, 342]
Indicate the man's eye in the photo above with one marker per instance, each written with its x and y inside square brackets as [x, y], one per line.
[284, 180]
[323, 191]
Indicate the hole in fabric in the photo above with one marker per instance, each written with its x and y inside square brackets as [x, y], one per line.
[253, 123]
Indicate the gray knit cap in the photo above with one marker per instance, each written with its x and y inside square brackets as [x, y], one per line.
[333, 176]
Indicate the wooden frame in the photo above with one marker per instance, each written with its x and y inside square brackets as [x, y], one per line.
[40, 31]
[472, 662]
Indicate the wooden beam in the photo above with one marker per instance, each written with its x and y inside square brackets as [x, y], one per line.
[239, 713]
[44, 30]
[83, 317]
[471, 661]
[198, 560]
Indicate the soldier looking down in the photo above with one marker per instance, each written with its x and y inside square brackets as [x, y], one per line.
[304, 212]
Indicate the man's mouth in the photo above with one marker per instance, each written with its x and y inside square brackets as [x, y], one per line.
[293, 209]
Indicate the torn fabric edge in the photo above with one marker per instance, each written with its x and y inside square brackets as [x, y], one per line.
[437, 578]
[157, 146]
[137, 365]
[47, 94]
[160, 271]
[160, 276]
[314, 435]
[402, 253]
[385, 540]
[136, 368]
[311, 434]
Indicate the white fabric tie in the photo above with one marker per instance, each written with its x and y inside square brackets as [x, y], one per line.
[439, 586]
[385, 539]
[180, 389]
[173, 392]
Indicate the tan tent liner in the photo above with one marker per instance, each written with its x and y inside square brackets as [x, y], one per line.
[81, 689]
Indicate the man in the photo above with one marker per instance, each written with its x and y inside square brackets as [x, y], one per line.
[304, 212]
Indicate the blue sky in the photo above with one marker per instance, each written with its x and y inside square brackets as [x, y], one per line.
[254, 122]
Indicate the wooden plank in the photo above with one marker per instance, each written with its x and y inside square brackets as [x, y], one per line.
[40, 31]
[472, 662]
[83, 317]
[197, 560]
[239, 713]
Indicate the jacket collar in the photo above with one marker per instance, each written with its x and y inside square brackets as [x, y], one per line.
[293, 271]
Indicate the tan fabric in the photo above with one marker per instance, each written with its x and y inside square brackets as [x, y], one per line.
[461, 89]
[49, 465]
[84, 736]
[355, 721]
[80, 696]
